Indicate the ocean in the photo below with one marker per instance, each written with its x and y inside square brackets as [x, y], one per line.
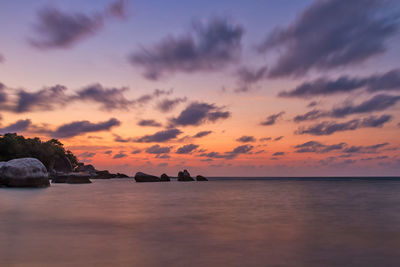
[223, 222]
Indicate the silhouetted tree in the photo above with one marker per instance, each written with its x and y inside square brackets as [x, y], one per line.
[14, 146]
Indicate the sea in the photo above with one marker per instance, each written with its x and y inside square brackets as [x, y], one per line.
[222, 222]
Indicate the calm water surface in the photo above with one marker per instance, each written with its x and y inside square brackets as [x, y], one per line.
[216, 223]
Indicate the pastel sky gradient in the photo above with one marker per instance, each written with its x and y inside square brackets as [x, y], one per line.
[222, 88]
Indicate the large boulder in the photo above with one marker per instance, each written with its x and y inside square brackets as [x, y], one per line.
[141, 177]
[201, 178]
[62, 164]
[24, 172]
[165, 178]
[184, 176]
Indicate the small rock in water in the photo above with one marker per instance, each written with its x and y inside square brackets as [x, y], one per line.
[201, 178]
[165, 178]
[184, 176]
[24, 172]
[141, 177]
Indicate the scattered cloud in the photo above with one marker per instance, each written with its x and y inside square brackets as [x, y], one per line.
[108, 152]
[16, 127]
[279, 138]
[271, 120]
[151, 123]
[86, 155]
[211, 46]
[109, 98]
[389, 81]
[246, 139]
[120, 155]
[313, 42]
[376, 103]
[81, 127]
[186, 149]
[328, 128]
[197, 113]
[278, 154]
[167, 105]
[247, 77]
[136, 151]
[202, 134]
[161, 136]
[244, 149]
[157, 149]
[58, 29]
[365, 149]
[317, 147]
[264, 139]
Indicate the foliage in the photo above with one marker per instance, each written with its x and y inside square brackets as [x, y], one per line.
[14, 146]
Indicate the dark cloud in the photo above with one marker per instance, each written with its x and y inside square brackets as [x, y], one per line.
[210, 46]
[375, 158]
[167, 105]
[43, 100]
[16, 127]
[311, 115]
[278, 154]
[247, 77]
[120, 139]
[120, 155]
[108, 152]
[161, 136]
[86, 155]
[264, 139]
[317, 147]
[197, 113]
[376, 103]
[246, 139]
[365, 149]
[186, 149]
[57, 29]
[144, 99]
[271, 120]
[278, 138]
[109, 98]
[151, 123]
[81, 127]
[389, 81]
[157, 149]
[312, 104]
[202, 134]
[328, 128]
[244, 149]
[330, 34]
[136, 151]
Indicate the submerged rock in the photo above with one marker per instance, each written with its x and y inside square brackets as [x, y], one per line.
[165, 178]
[184, 176]
[78, 178]
[24, 172]
[141, 177]
[201, 178]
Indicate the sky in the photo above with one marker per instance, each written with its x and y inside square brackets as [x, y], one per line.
[221, 88]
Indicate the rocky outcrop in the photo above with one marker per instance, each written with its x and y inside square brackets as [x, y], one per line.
[141, 177]
[184, 176]
[24, 172]
[165, 178]
[86, 168]
[121, 175]
[62, 164]
[71, 178]
[201, 178]
[104, 175]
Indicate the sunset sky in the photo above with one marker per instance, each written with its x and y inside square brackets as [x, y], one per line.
[221, 88]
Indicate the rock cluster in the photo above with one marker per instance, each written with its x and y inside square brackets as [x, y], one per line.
[183, 176]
